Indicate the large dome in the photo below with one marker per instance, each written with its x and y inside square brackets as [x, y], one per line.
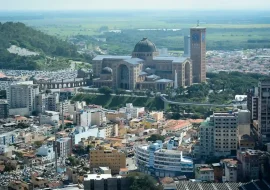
[145, 45]
[106, 70]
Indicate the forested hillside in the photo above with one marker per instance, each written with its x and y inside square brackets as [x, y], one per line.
[26, 37]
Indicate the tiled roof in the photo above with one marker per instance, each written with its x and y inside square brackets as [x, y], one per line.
[187, 185]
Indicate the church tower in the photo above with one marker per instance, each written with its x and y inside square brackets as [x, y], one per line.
[198, 53]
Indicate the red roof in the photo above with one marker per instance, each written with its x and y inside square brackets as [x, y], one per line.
[2, 75]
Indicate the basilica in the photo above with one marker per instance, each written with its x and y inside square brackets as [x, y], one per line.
[143, 70]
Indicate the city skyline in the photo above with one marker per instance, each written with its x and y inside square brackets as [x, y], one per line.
[140, 4]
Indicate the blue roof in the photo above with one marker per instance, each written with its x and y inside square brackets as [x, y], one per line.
[173, 59]
[143, 73]
[133, 61]
[164, 80]
[152, 76]
[101, 57]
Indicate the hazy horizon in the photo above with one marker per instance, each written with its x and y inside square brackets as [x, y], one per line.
[84, 5]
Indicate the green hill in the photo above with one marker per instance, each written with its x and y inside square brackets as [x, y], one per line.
[26, 37]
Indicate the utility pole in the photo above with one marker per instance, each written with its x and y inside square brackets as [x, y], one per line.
[55, 150]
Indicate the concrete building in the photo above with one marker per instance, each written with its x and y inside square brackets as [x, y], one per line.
[204, 172]
[82, 118]
[46, 152]
[254, 163]
[218, 135]
[4, 111]
[263, 111]
[218, 171]
[65, 104]
[8, 138]
[187, 46]
[110, 130]
[198, 53]
[252, 102]
[105, 181]
[206, 134]
[246, 142]
[107, 158]
[243, 122]
[50, 118]
[21, 98]
[133, 111]
[85, 132]
[145, 69]
[231, 169]
[64, 147]
[153, 160]
[97, 117]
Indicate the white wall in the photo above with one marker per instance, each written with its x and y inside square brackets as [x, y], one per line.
[20, 111]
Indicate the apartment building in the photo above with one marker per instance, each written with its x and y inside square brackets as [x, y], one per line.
[264, 111]
[252, 102]
[218, 135]
[21, 98]
[64, 147]
[4, 111]
[133, 111]
[253, 162]
[206, 135]
[107, 158]
[204, 172]
[231, 170]
[8, 138]
[153, 159]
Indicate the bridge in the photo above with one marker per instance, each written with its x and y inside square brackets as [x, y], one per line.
[169, 102]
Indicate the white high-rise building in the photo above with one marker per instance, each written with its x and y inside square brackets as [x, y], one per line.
[82, 118]
[218, 135]
[21, 98]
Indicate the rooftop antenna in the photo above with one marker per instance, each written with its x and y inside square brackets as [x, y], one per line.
[198, 23]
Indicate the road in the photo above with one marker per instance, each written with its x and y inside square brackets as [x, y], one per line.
[195, 104]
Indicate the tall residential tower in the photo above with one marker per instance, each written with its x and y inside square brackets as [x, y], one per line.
[198, 53]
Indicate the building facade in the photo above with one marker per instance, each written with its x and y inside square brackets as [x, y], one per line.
[252, 102]
[218, 135]
[21, 98]
[204, 172]
[154, 160]
[145, 69]
[198, 54]
[187, 46]
[64, 147]
[133, 111]
[231, 169]
[4, 111]
[8, 138]
[264, 111]
[254, 163]
[107, 158]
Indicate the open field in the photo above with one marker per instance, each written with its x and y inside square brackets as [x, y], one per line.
[225, 30]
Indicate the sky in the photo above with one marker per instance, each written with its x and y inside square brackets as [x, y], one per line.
[134, 4]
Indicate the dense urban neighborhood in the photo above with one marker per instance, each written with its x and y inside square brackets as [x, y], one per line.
[74, 117]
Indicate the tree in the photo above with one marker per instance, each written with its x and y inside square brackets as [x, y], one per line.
[22, 125]
[155, 137]
[105, 90]
[140, 181]
[38, 143]
[73, 161]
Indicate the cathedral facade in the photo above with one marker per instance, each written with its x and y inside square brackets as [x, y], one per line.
[143, 70]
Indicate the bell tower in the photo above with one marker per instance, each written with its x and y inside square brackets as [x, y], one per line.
[198, 53]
